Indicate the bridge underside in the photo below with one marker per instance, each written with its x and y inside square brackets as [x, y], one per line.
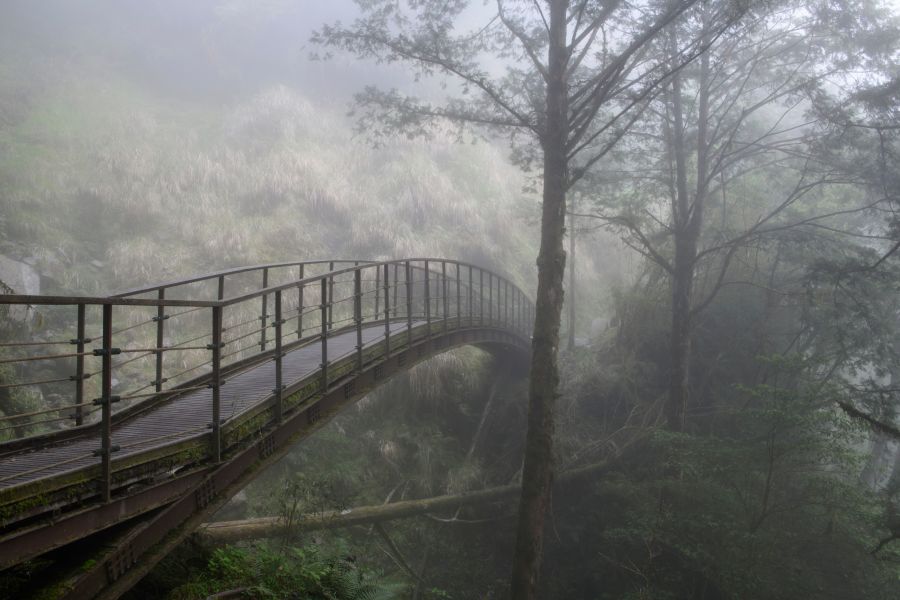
[163, 484]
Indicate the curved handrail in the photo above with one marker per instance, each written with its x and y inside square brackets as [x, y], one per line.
[224, 273]
[124, 298]
[513, 311]
[368, 265]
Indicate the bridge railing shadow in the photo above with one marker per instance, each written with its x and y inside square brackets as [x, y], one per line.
[72, 365]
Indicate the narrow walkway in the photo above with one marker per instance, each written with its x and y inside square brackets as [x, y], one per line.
[186, 416]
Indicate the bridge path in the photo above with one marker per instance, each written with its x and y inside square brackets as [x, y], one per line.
[187, 415]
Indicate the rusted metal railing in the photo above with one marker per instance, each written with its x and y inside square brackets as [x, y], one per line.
[157, 343]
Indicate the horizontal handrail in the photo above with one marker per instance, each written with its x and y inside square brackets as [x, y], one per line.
[316, 278]
[121, 299]
[226, 272]
[37, 300]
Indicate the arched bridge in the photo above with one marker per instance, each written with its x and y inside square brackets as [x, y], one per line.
[143, 412]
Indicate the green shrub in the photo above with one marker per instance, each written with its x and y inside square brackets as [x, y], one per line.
[307, 572]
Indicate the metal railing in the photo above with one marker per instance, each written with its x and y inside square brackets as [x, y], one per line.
[143, 346]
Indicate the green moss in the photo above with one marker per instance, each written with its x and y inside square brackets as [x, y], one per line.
[88, 565]
[14, 511]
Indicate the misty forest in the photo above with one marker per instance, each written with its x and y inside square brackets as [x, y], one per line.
[426, 300]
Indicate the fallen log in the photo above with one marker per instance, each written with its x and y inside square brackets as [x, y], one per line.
[228, 532]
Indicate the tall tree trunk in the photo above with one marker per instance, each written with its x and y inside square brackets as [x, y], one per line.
[571, 260]
[682, 269]
[680, 345]
[537, 476]
[687, 225]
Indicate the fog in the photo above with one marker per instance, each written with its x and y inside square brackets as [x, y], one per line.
[611, 314]
[203, 51]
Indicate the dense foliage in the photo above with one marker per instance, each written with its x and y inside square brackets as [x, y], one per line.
[296, 573]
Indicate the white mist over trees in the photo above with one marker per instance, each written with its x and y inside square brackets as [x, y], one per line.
[569, 92]
[731, 170]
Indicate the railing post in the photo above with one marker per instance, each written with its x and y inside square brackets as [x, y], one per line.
[330, 296]
[523, 314]
[458, 297]
[505, 303]
[300, 306]
[513, 304]
[525, 323]
[160, 336]
[79, 367]
[323, 307]
[387, 311]
[357, 316]
[409, 303]
[377, 289]
[445, 294]
[106, 400]
[518, 312]
[501, 301]
[514, 307]
[436, 312]
[220, 295]
[507, 308]
[427, 299]
[471, 311]
[439, 290]
[490, 298]
[481, 296]
[396, 287]
[264, 318]
[216, 383]
[279, 386]
[499, 314]
[523, 308]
